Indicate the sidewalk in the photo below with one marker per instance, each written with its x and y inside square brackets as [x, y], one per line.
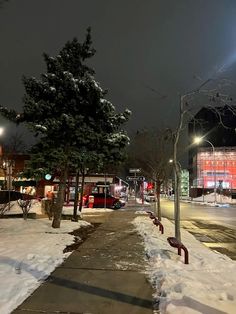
[103, 276]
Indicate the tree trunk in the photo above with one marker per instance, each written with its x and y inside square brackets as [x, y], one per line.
[75, 216]
[25, 214]
[177, 171]
[158, 202]
[158, 192]
[82, 192]
[177, 203]
[57, 210]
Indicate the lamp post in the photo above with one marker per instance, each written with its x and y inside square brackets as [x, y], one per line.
[198, 140]
[1, 151]
[1, 133]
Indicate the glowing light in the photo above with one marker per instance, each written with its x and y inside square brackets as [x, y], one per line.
[150, 186]
[1, 131]
[197, 140]
[48, 176]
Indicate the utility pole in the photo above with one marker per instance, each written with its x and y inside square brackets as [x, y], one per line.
[134, 179]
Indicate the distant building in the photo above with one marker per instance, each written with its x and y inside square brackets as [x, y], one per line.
[11, 166]
[207, 170]
[184, 182]
[11, 178]
[93, 183]
[218, 170]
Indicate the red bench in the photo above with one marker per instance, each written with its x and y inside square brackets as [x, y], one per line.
[175, 243]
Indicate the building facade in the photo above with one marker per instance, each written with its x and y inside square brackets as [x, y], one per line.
[215, 169]
[212, 163]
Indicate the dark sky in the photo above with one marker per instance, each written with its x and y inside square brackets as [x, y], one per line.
[158, 44]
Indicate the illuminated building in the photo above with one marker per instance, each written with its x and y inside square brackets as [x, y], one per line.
[219, 170]
[213, 168]
[184, 182]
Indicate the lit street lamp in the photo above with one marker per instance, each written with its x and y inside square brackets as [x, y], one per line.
[198, 140]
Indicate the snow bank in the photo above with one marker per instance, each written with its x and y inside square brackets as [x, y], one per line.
[29, 251]
[206, 285]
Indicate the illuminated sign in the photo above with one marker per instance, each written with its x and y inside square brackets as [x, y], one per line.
[48, 176]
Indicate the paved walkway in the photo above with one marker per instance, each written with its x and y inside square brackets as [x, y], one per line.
[103, 276]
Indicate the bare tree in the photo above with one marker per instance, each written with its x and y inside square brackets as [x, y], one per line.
[25, 205]
[4, 208]
[213, 98]
[189, 104]
[151, 151]
[14, 145]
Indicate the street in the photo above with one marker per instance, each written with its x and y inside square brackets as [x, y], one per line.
[215, 227]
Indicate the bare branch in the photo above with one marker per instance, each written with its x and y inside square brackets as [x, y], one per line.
[156, 91]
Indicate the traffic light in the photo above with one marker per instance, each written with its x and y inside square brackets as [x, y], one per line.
[150, 186]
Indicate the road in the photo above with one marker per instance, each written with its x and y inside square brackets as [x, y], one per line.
[215, 227]
[190, 211]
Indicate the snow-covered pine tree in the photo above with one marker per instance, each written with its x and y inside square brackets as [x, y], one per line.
[67, 108]
[110, 151]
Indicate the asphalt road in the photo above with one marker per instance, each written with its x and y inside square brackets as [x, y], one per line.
[213, 226]
[189, 211]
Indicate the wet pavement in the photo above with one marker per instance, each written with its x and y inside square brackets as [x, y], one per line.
[105, 274]
[215, 237]
[215, 227]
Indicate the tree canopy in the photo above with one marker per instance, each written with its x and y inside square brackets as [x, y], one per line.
[67, 109]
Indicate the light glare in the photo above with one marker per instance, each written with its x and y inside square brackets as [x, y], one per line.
[1, 131]
[197, 140]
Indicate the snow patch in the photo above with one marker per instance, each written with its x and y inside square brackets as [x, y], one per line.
[205, 285]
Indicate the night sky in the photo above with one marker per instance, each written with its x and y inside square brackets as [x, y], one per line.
[160, 45]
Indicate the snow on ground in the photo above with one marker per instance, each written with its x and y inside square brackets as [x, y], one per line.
[209, 199]
[15, 208]
[206, 285]
[29, 251]
[68, 209]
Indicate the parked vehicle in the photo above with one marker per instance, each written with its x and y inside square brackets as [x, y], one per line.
[101, 200]
[150, 197]
[123, 201]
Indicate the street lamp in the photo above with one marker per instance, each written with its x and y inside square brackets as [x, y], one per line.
[198, 140]
[1, 150]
